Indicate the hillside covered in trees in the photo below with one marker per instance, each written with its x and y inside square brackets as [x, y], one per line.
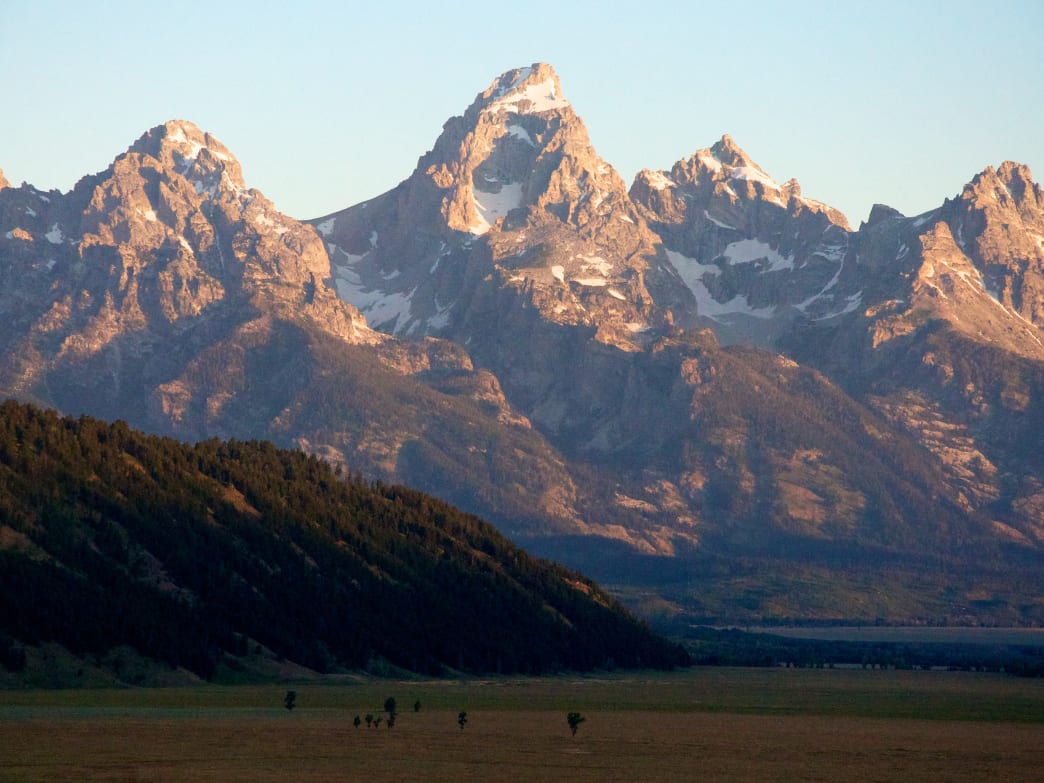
[196, 554]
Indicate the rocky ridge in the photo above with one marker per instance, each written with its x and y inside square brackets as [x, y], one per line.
[756, 255]
[165, 292]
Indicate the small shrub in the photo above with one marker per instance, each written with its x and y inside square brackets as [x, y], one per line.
[574, 719]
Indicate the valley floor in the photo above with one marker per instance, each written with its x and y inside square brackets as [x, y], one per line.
[705, 724]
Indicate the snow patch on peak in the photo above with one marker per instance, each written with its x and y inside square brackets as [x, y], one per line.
[717, 222]
[523, 74]
[597, 264]
[326, 226]
[692, 273]
[177, 136]
[187, 142]
[388, 310]
[520, 133]
[491, 206]
[201, 187]
[534, 98]
[709, 159]
[660, 181]
[923, 218]
[747, 251]
[265, 220]
[755, 175]
[852, 303]
[55, 235]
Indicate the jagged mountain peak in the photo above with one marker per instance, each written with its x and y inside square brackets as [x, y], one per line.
[755, 254]
[728, 152]
[1011, 170]
[725, 162]
[168, 234]
[3, 181]
[511, 187]
[1009, 185]
[725, 170]
[880, 212]
[181, 136]
[530, 90]
[519, 144]
[181, 146]
[998, 221]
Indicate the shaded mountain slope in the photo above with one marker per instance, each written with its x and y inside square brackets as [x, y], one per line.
[190, 554]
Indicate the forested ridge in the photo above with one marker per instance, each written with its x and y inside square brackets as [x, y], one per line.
[195, 554]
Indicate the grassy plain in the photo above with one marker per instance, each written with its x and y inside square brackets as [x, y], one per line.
[702, 724]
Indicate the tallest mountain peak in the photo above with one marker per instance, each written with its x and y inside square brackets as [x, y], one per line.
[558, 231]
[528, 90]
[519, 145]
[518, 76]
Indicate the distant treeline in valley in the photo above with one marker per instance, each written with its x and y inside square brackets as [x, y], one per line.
[735, 647]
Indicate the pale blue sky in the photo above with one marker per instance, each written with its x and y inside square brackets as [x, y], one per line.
[326, 104]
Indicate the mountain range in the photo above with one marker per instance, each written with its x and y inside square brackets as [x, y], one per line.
[707, 390]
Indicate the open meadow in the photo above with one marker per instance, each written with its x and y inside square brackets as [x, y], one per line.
[702, 724]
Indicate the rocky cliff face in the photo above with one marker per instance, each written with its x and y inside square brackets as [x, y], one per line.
[998, 222]
[167, 238]
[513, 237]
[944, 346]
[755, 255]
[511, 204]
[165, 292]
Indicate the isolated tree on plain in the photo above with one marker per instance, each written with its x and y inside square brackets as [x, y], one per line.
[357, 721]
[416, 706]
[290, 700]
[369, 720]
[574, 719]
[391, 708]
[462, 718]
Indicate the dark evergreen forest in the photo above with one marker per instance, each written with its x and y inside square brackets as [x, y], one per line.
[194, 554]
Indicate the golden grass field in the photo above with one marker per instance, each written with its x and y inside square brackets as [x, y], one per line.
[700, 725]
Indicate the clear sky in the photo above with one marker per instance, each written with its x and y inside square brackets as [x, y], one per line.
[328, 103]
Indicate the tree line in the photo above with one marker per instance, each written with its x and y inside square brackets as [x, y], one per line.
[193, 554]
